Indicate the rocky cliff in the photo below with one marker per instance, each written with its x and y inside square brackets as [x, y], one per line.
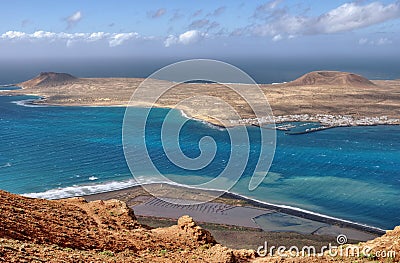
[73, 230]
[100, 231]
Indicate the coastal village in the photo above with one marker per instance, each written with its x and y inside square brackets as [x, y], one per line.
[324, 119]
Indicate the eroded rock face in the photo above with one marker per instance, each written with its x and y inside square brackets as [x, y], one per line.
[381, 249]
[42, 221]
[387, 243]
[98, 231]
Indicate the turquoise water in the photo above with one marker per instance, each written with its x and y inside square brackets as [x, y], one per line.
[350, 173]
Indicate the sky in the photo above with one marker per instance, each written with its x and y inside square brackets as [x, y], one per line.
[181, 28]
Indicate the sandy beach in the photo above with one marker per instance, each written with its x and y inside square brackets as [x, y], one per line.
[231, 214]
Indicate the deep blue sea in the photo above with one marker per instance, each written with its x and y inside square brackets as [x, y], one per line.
[349, 173]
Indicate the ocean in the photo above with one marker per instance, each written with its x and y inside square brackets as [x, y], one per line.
[262, 69]
[350, 173]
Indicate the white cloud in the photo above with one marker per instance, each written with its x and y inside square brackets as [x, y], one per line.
[277, 38]
[43, 35]
[13, 35]
[347, 17]
[351, 16]
[190, 37]
[118, 39]
[171, 40]
[73, 19]
[186, 38]
[113, 39]
[97, 36]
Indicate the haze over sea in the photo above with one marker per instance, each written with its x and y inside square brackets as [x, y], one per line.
[350, 173]
[262, 70]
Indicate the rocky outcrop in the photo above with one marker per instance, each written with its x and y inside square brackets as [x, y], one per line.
[99, 231]
[73, 230]
[388, 242]
[187, 224]
[73, 223]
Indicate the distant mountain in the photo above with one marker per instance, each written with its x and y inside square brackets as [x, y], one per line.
[337, 78]
[49, 79]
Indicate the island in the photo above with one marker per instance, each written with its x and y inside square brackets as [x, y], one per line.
[329, 97]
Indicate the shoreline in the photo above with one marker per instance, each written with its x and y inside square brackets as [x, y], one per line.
[295, 211]
[327, 121]
[242, 201]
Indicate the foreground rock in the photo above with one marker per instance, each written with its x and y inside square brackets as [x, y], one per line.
[73, 230]
[382, 249]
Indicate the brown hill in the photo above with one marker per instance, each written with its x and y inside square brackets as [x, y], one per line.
[49, 79]
[335, 78]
